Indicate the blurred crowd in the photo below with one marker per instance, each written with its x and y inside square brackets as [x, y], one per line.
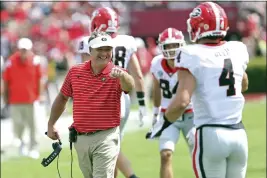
[55, 28]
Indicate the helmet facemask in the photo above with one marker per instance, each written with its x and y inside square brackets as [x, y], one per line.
[169, 50]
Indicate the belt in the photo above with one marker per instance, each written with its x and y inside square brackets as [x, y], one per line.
[88, 133]
[239, 125]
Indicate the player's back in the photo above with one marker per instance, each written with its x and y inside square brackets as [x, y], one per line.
[219, 72]
[124, 47]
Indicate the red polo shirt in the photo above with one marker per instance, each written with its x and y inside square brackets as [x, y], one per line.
[96, 98]
[23, 79]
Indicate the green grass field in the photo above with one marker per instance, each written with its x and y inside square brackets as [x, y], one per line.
[145, 157]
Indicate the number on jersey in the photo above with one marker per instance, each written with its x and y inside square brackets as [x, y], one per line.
[120, 52]
[227, 77]
[165, 86]
[179, 57]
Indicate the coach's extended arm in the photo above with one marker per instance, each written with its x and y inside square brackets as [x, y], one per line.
[127, 82]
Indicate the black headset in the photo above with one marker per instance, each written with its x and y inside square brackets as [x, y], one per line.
[57, 149]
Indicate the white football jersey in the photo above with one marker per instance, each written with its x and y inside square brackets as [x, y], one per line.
[218, 71]
[168, 80]
[124, 47]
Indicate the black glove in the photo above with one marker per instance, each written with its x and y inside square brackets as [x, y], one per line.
[158, 128]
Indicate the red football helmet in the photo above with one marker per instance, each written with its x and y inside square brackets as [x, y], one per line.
[207, 19]
[104, 19]
[170, 36]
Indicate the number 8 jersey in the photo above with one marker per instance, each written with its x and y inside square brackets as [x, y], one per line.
[168, 81]
[218, 70]
[124, 47]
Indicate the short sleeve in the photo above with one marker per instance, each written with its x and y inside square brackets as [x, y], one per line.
[66, 88]
[245, 57]
[153, 67]
[186, 61]
[132, 45]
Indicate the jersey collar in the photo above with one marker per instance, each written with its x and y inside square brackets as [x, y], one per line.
[106, 70]
[167, 68]
[214, 44]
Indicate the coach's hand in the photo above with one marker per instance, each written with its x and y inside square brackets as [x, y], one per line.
[158, 128]
[116, 72]
[52, 133]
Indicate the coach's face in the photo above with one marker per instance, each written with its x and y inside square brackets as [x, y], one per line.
[102, 55]
[24, 53]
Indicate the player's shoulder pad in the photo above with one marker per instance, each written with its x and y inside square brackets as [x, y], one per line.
[156, 60]
[155, 63]
[128, 41]
[237, 45]
[188, 50]
[187, 58]
[185, 53]
[126, 37]
[241, 48]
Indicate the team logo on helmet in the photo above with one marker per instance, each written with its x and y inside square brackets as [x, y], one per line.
[104, 39]
[196, 12]
[206, 26]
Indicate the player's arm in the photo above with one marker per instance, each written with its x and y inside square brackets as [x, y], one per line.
[156, 92]
[246, 61]
[245, 82]
[186, 87]
[57, 109]
[136, 73]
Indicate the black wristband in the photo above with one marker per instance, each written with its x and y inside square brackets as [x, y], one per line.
[141, 102]
[140, 94]
[141, 98]
[166, 120]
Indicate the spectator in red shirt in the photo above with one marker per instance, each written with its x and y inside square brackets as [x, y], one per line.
[22, 85]
[95, 87]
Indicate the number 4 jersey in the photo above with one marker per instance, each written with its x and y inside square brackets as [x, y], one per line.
[168, 81]
[124, 47]
[218, 70]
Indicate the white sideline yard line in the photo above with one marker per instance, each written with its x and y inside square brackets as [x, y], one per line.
[45, 144]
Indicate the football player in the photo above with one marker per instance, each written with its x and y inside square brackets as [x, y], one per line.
[83, 49]
[212, 72]
[106, 19]
[164, 88]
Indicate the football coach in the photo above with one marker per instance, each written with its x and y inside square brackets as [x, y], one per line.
[95, 87]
